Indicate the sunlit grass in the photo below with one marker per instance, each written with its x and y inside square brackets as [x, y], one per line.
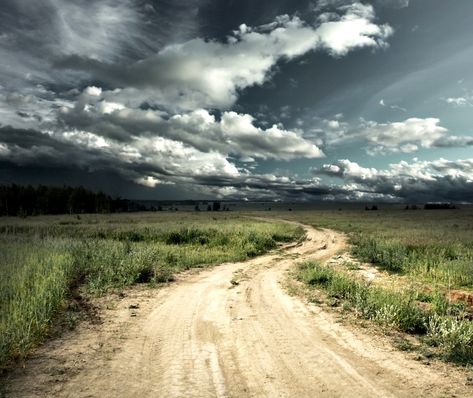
[43, 258]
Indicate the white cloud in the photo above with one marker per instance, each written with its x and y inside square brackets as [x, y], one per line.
[98, 31]
[209, 74]
[419, 180]
[93, 91]
[4, 151]
[460, 101]
[83, 138]
[236, 134]
[353, 30]
[395, 137]
[392, 135]
[392, 106]
[233, 134]
[110, 107]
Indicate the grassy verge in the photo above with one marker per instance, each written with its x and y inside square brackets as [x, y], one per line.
[428, 246]
[445, 326]
[44, 259]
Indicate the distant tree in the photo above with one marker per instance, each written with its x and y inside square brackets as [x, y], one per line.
[30, 200]
[197, 208]
[374, 207]
[209, 208]
[216, 206]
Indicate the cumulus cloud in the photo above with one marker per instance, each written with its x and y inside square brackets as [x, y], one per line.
[395, 137]
[149, 162]
[236, 134]
[154, 161]
[353, 30]
[210, 74]
[232, 134]
[402, 136]
[92, 89]
[417, 181]
[142, 159]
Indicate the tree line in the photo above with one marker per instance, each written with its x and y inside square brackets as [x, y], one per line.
[17, 200]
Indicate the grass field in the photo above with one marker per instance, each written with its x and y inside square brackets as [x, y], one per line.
[428, 256]
[432, 246]
[46, 260]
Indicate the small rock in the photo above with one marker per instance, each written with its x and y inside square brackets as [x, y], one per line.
[134, 306]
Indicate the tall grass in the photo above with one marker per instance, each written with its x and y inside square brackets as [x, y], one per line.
[447, 263]
[442, 324]
[396, 309]
[33, 285]
[43, 258]
[435, 247]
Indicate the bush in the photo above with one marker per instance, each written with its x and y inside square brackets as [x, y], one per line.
[454, 336]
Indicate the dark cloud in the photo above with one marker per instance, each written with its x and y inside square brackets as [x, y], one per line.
[212, 98]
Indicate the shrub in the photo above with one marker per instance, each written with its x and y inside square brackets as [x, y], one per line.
[454, 336]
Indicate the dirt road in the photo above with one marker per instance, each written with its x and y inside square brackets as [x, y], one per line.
[205, 336]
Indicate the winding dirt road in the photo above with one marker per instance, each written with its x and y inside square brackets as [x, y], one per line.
[207, 337]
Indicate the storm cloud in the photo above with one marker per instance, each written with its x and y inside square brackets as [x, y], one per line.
[155, 94]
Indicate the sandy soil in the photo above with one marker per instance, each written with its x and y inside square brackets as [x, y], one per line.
[230, 331]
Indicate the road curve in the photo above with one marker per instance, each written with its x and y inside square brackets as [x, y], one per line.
[207, 337]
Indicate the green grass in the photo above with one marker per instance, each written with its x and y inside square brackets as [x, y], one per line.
[430, 246]
[432, 250]
[42, 259]
[440, 324]
[396, 309]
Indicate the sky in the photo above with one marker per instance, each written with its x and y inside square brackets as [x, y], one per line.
[279, 100]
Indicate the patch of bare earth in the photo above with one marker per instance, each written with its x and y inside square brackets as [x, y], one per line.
[229, 331]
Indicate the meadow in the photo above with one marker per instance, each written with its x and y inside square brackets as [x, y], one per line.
[426, 257]
[429, 246]
[46, 262]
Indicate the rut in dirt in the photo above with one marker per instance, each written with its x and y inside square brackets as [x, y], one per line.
[233, 331]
